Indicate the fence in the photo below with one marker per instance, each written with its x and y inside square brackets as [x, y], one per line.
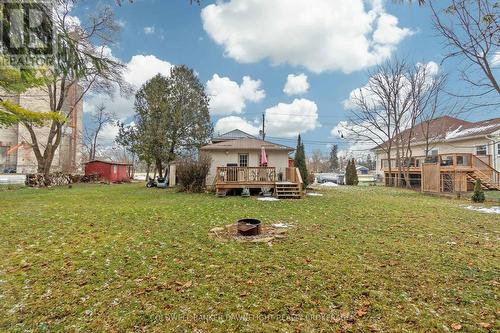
[12, 179]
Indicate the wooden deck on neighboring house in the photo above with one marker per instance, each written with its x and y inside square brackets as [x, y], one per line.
[287, 185]
[455, 172]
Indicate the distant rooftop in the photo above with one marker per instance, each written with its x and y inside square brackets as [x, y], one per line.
[247, 144]
[448, 128]
[233, 135]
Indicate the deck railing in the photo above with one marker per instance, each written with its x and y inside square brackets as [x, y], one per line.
[486, 172]
[246, 175]
[453, 161]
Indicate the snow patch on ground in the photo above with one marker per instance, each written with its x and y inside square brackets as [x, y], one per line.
[487, 210]
[268, 199]
[314, 194]
[281, 225]
[329, 184]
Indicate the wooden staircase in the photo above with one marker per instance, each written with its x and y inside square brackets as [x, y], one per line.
[288, 190]
[490, 178]
[486, 182]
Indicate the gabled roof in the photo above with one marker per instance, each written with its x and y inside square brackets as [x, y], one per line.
[247, 144]
[233, 135]
[449, 128]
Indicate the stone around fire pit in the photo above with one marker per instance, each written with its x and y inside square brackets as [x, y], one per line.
[268, 234]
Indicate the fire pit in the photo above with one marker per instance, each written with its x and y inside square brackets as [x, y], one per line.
[249, 227]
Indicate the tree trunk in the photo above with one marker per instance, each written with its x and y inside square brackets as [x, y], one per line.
[148, 166]
[390, 167]
[159, 168]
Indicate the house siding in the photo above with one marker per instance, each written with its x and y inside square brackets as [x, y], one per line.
[277, 159]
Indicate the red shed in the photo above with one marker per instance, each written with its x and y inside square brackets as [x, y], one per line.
[108, 171]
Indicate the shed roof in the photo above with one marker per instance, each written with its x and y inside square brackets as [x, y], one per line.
[249, 144]
[108, 162]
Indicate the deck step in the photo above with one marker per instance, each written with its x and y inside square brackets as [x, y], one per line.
[290, 191]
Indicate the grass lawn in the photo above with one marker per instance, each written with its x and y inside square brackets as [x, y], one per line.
[125, 258]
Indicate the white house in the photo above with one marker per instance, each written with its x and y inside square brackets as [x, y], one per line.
[236, 162]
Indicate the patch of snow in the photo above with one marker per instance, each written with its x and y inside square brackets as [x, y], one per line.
[487, 210]
[314, 194]
[281, 225]
[268, 199]
[329, 184]
[467, 132]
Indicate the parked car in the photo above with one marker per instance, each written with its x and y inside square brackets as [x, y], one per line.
[9, 170]
[327, 178]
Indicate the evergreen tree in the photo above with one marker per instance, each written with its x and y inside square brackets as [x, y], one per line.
[478, 195]
[300, 160]
[355, 179]
[171, 118]
[334, 159]
[348, 175]
[351, 175]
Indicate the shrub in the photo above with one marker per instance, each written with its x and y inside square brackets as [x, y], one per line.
[478, 195]
[311, 178]
[351, 175]
[192, 174]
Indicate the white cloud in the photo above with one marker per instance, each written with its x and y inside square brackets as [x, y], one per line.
[288, 120]
[321, 35]
[228, 97]
[496, 59]
[431, 69]
[296, 84]
[282, 120]
[149, 30]
[108, 134]
[230, 123]
[140, 69]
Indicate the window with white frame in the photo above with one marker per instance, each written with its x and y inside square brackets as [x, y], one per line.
[243, 158]
[481, 150]
[498, 147]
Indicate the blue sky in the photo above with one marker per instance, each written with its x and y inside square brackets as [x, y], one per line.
[172, 32]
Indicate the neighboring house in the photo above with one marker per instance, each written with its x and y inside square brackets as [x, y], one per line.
[362, 170]
[236, 163]
[449, 154]
[16, 153]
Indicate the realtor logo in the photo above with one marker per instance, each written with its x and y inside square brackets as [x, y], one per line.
[27, 33]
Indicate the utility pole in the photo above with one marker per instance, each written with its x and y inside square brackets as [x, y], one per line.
[263, 126]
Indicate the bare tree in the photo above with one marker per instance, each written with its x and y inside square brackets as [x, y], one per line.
[82, 63]
[378, 109]
[424, 87]
[317, 162]
[470, 31]
[98, 120]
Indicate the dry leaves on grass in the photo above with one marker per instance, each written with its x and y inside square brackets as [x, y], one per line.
[456, 326]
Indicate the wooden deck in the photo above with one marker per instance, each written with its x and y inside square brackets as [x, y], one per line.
[289, 184]
[449, 172]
